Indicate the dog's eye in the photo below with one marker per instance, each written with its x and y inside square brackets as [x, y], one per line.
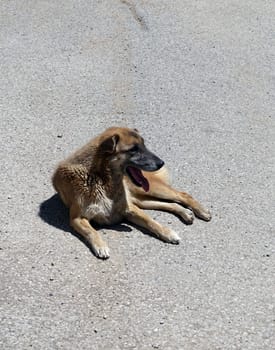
[133, 149]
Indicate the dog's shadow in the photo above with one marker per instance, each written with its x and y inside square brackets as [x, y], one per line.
[53, 212]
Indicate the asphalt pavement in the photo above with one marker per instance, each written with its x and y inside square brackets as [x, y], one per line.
[197, 79]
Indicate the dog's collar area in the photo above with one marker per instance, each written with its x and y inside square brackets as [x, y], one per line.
[137, 178]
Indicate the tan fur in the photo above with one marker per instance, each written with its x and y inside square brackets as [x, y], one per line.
[93, 184]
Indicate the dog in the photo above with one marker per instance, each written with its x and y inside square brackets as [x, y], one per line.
[113, 178]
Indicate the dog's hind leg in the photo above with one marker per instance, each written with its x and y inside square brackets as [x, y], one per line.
[160, 189]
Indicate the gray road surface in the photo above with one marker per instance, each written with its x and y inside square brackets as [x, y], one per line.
[197, 79]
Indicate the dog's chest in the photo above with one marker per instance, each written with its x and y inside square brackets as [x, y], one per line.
[105, 210]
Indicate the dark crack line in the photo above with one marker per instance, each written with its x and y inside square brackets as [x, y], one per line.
[138, 17]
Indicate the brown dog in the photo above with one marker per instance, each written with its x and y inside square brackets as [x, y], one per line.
[113, 178]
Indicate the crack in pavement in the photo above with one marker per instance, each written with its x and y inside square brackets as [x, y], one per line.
[135, 13]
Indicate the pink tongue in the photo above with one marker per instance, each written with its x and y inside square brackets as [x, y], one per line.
[139, 178]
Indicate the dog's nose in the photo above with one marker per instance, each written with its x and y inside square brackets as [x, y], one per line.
[160, 163]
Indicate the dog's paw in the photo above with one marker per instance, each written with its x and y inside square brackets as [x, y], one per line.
[203, 214]
[102, 251]
[206, 215]
[171, 237]
[187, 216]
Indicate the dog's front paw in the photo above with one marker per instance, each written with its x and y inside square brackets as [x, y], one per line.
[102, 251]
[175, 239]
[187, 216]
[171, 236]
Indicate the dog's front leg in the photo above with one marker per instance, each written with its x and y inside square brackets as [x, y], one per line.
[93, 237]
[138, 217]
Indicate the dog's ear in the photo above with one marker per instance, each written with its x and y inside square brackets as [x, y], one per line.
[109, 145]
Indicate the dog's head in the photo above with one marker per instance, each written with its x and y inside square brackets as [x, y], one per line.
[126, 151]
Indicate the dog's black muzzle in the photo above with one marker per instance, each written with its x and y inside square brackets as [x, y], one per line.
[146, 160]
[142, 159]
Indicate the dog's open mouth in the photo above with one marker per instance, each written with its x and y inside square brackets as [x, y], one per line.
[137, 178]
